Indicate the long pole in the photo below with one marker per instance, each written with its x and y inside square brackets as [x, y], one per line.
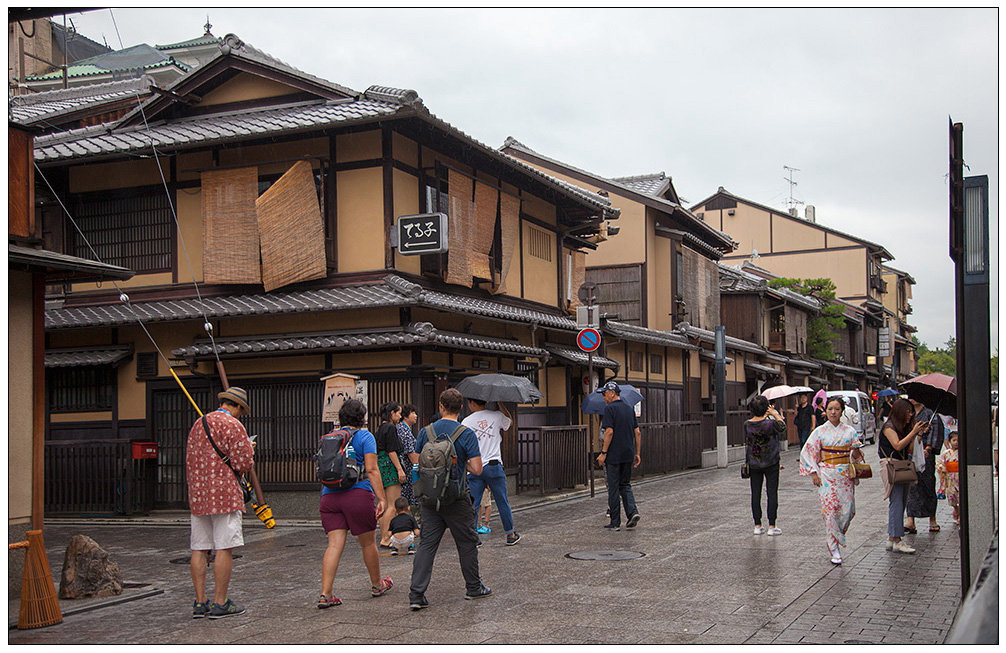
[590, 423]
[252, 476]
[721, 397]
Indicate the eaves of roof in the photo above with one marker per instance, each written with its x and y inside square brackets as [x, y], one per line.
[709, 337]
[49, 106]
[883, 251]
[414, 335]
[579, 357]
[58, 267]
[635, 333]
[205, 39]
[765, 369]
[654, 185]
[724, 241]
[85, 356]
[908, 277]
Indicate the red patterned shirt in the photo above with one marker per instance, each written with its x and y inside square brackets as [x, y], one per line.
[213, 488]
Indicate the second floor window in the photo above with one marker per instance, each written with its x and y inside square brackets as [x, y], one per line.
[135, 232]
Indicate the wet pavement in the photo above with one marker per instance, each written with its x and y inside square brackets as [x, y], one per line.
[702, 578]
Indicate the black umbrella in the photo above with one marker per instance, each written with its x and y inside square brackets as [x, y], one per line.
[937, 392]
[499, 387]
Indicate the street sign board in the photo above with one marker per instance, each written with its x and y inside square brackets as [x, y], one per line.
[587, 293]
[588, 316]
[884, 342]
[425, 233]
[588, 339]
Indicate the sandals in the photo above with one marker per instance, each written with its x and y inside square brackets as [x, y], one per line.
[328, 601]
[934, 529]
[386, 585]
[913, 531]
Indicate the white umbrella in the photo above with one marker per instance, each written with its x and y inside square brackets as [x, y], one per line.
[779, 391]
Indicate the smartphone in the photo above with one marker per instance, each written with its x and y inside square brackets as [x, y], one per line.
[252, 437]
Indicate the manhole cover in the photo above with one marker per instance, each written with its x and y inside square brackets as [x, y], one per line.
[605, 555]
[185, 560]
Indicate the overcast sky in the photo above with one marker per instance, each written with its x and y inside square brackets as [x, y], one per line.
[857, 100]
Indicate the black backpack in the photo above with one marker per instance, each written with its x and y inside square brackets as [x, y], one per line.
[439, 483]
[333, 469]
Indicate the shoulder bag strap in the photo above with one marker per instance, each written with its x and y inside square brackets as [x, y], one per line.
[226, 460]
[458, 430]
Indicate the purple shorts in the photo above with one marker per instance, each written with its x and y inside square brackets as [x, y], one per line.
[353, 510]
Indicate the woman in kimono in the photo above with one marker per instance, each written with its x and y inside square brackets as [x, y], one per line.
[825, 458]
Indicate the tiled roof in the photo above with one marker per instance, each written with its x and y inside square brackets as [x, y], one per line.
[99, 139]
[48, 105]
[128, 59]
[416, 334]
[578, 357]
[642, 334]
[761, 368]
[205, 39]
[79, 356]
[393, 291]
[710, 337]
[653, 185]
[736, 280]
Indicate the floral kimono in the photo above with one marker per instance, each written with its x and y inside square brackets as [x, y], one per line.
[827, 453]
[948, 471]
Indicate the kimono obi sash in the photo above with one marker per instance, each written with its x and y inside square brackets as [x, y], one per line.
[833, 456]
[953, 467]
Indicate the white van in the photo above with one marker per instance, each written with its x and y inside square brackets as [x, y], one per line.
[860, 402]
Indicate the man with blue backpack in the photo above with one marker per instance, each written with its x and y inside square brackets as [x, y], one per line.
[447, 451]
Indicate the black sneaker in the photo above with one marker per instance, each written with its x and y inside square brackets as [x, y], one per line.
[418, 604]
[512, 538]
[228, 609]
[613, 527]
[633, 520]
[479, 593]
[200, 610]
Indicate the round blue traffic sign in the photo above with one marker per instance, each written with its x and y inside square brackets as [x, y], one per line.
[588, 339]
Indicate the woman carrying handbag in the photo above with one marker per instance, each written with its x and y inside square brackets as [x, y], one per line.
[896, 443]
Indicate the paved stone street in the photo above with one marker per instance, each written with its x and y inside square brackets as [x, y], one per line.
[703, 578]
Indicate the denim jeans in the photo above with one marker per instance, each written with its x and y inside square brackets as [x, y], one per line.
[492, 477]
[803, 434]
[617, 476]
[896, 509]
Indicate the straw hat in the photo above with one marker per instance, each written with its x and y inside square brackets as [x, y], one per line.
[237, 395]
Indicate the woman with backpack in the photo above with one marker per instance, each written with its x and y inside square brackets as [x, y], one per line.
[351, 510]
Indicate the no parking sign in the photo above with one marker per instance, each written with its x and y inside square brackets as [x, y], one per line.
[588, 339]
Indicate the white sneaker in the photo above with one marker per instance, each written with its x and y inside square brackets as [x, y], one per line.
[888, 544]
[759, 530]
[836, 560]
[901, 547]
[774, 531]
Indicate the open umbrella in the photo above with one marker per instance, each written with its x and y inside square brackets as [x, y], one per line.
[935, 391]
[888, 392]
[593, 404]
[499, 387]
[779, 391]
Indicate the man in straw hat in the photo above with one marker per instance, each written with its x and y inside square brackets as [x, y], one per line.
[216, 500]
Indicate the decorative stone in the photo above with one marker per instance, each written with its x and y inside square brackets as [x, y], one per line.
[87, 571]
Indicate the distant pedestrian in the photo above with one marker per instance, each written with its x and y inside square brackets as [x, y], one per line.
[804, 419]
[818, 406]
[353, 510]
[216, 500]
[485, 514]
[922, 496]
[948, 468]
[489, 426]
[404, 529]
[457, 515]
[761, 454]
[825, 458]
[390, 464]
[619, 455]
[897, 441]
[407, 436]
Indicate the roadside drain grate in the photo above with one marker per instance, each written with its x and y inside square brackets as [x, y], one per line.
[605, 555]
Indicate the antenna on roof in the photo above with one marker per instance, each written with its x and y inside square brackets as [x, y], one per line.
[791, 203]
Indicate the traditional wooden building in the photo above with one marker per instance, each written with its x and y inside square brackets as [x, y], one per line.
[901, 363]
[256, 204]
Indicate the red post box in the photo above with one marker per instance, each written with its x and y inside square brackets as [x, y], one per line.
[144, 450]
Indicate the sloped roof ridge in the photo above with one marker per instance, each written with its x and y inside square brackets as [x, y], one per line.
[205, 39]
[405, 96]
[652, 175]
[76, 92]
[77, 35]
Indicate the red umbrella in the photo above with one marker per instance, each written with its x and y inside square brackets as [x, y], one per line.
[935, 391]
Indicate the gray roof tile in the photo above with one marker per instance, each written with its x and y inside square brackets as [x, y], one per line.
[579, 357]
[653, 185]
[643, 334]
[80, 356]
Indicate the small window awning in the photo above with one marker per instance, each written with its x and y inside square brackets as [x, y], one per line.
[578, 357]
[707, 355]
[809, 365]
[113, 355]
[818, 380]
[764, 369]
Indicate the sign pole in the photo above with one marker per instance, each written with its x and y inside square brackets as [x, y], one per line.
[587, 294]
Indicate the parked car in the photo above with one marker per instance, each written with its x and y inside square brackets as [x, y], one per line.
[860, 402]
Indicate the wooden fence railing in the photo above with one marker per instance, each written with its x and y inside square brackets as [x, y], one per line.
[551, 458]
[735, 428]
[97, 476]
[669, 446]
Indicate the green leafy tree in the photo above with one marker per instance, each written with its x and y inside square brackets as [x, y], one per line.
[825, 329]
[942, 359]
[994, 364]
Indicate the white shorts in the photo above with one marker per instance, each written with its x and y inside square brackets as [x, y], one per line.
[402, 541]
[216, 532]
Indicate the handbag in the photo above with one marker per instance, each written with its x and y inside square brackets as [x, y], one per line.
[901, 471]
[243, 483]
[745, 471]
[858, 470]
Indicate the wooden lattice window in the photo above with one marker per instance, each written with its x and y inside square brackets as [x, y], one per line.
[81, 389]
[656, 364]
[134, 232]
[539, 244]
[636, 361]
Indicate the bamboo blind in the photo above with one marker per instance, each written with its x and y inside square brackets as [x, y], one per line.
[578, 274]
[509, 223]
[293, 236]
[230, 226]
[486, 203]
[459, 230]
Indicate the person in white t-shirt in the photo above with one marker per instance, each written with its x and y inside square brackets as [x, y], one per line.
[489, 426]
